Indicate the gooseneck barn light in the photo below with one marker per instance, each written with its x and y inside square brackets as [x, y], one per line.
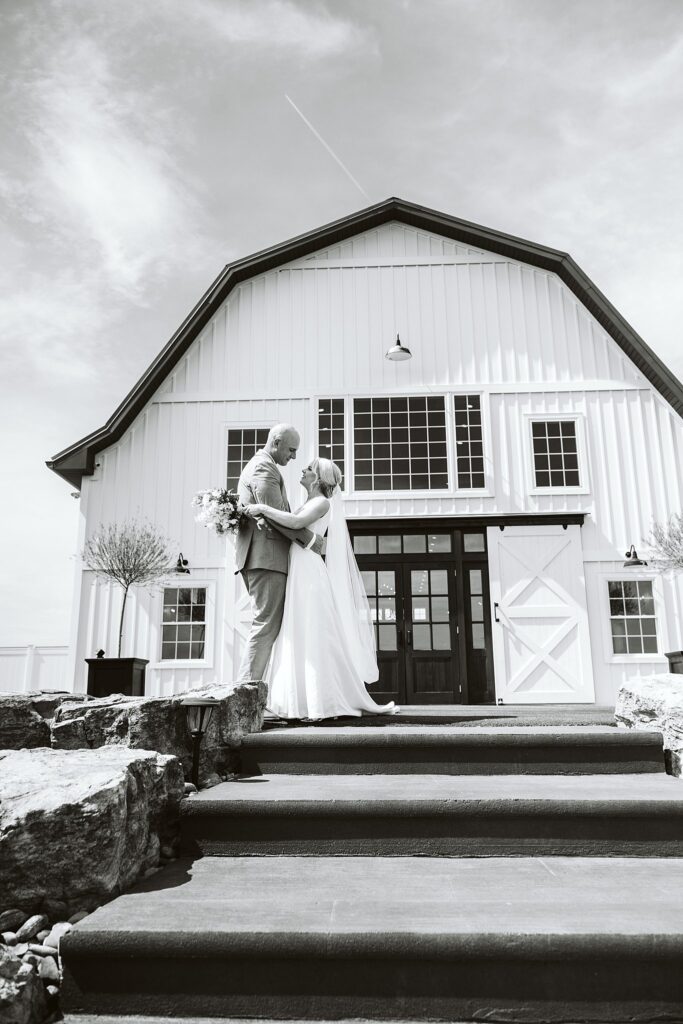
[398, 352]
[632, 560]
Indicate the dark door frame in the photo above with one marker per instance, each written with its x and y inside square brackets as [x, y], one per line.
[457, 560]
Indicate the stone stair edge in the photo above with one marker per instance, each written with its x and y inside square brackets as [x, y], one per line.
[404, 736]
[325, 944]
[474, 807]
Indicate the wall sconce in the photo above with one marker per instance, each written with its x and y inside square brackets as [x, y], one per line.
[199, 711]
[181, 564]
[632, 560]
[398, 352]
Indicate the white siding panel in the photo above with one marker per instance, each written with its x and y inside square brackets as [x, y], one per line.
[312, 324]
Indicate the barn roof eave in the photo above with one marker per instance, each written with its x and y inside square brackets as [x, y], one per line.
[79, 459]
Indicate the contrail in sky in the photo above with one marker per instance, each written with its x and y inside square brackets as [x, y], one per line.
[329, 149]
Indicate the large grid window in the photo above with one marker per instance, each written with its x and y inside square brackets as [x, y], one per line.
[632, 617]
[183, 632]
[331, 430]
[469, 443]
[399, 444]
[242, 444]
[556, 459]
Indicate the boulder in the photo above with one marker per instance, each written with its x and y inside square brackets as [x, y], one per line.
[20, 724]
[81, 826]
[22, 993]
[24, 717]
[656, 702]
[159, 723]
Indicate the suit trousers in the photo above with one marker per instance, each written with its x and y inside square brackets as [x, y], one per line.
[266, 589]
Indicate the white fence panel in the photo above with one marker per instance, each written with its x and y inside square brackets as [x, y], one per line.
[23, 669]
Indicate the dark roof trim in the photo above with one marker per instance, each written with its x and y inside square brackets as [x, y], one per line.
[79, 458]
[405, 524]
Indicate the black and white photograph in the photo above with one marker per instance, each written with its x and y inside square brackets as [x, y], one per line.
[341, 584]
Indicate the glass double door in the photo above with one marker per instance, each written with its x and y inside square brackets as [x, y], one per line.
[431, 622]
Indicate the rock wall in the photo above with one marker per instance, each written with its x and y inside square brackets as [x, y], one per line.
[24, 718]
[656, 703]
[78, 827]
[159, 723]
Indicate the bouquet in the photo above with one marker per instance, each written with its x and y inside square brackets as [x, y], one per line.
[219, 510]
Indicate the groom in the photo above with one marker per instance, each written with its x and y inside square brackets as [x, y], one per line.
[262, 550]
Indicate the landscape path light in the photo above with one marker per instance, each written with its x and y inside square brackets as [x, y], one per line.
[199, 711]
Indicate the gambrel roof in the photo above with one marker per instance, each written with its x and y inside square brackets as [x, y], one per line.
[79, 459]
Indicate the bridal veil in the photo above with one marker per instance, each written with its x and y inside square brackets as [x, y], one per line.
[349, 594]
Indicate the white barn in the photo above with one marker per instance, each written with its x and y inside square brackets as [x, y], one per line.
[492, 482]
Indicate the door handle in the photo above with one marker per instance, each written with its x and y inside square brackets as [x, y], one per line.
[495, 611]
[409, 637]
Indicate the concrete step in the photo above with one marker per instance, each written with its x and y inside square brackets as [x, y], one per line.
[406, 750]
[530, 939]
[437, 815]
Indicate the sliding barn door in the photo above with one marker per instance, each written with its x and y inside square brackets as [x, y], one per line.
[541, 645]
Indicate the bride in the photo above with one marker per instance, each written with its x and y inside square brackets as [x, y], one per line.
[325, 652]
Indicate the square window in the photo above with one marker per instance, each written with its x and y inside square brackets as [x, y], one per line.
[390, 545]
[632, 621]
[474, 542]
[478, 637]
[364, 545]
[387, 638]
[438, 579]
[414, 543]
[438, 542]
[422, 638]
[386, 583]
[441, 638]
[369, 579]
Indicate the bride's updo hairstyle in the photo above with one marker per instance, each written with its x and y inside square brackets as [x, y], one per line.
[329, 475]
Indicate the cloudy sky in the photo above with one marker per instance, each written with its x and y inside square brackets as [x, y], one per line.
[144, 145]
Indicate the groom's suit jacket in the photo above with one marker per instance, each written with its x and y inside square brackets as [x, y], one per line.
[264, 548]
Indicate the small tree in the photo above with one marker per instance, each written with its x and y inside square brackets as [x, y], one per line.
[132, 554]
[666, 541]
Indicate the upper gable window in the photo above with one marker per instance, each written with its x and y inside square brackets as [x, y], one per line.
[399, 444]
[469, 442]
[243, 442]
[331, 430]
[555, 453]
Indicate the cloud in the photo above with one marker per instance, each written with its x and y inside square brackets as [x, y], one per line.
[105, 170]
[308, 29]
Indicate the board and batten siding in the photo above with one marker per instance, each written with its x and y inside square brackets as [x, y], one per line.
[476, 322]
[473, 319]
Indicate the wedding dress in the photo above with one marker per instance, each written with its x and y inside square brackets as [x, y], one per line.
[325, 651]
